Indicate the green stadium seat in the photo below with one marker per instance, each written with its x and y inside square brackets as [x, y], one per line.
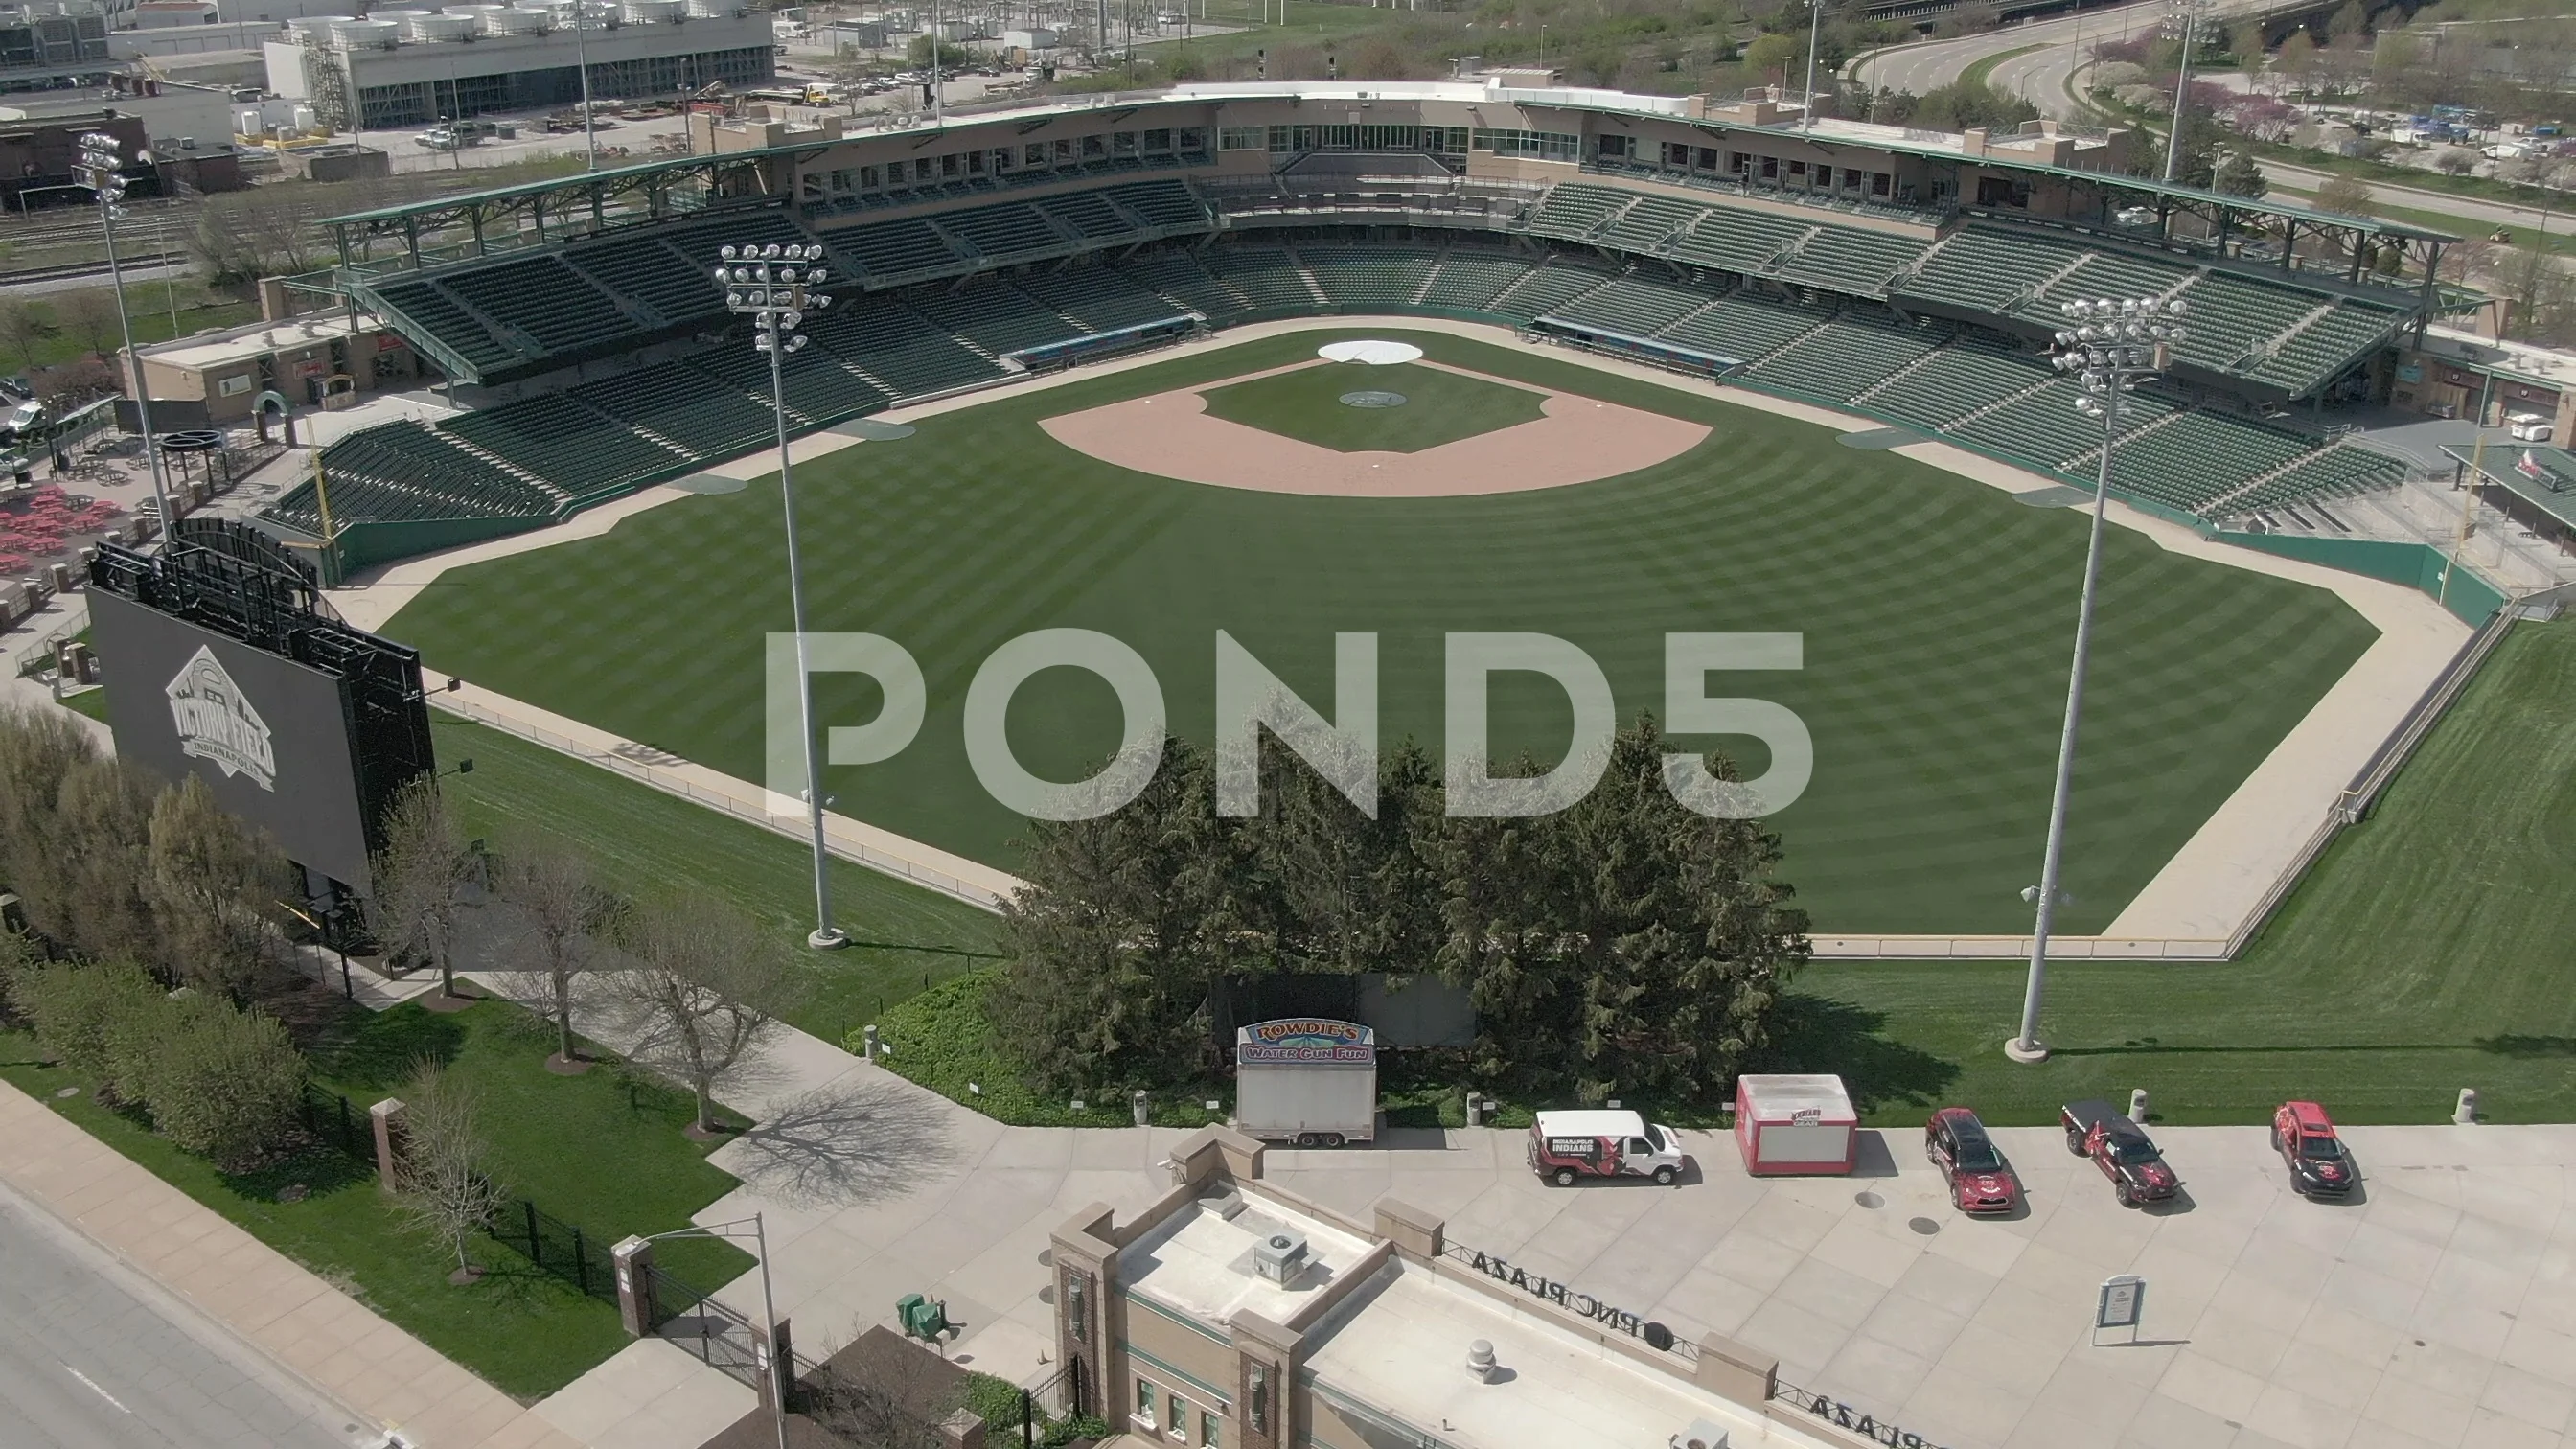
[547, 301]
[575, 448]
[1845, 357]
[1100, 299]
[996, 316]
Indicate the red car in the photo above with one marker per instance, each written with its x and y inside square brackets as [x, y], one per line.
[1981, 1181]
[2122, 1149]
[2306, 1140]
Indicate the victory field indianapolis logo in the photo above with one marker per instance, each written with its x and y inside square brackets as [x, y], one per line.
[217, 724]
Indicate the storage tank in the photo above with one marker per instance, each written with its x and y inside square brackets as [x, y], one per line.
[442, 27]
[508, 21]
[367, 34]
[653, 12]
[312, 29]
[712, 9]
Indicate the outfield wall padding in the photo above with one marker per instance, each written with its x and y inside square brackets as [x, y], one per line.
[2416, 565]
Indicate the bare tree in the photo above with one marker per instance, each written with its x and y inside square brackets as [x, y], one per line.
[103, 836]
[705, 985]
[214, 886]
[21, 328]
[38, 752]
[562, 908]
[89, 315]
[443, 1190]
[420, 879]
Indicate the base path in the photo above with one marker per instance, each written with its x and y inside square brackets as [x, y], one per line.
[1172, 435]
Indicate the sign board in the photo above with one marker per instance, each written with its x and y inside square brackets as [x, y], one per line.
[2123, 1304]
[268, 735]
[1807, 1117]
[1306, 1039]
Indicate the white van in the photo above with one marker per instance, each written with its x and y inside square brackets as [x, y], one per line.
[1564, 1146]
[2528, 427]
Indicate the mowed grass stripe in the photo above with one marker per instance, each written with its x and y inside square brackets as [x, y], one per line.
[1937, 615]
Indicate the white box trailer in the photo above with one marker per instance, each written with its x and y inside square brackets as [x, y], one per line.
[1307, 1081]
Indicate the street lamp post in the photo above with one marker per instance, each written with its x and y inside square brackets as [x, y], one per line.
[779, 1374]
[1815, 29]
[2189, 10]
[581, 58]
[100, 164]
[769, 283]
[2110, 347]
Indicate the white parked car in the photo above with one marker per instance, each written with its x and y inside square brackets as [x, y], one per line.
[2528, 427]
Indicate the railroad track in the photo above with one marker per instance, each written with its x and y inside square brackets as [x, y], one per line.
[88, 269]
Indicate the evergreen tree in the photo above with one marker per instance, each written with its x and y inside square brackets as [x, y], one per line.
[1124, 924]
[2242, 175]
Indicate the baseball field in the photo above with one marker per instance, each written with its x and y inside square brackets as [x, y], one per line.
[1234, 488]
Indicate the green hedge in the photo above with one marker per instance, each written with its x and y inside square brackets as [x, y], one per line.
[943, 1039]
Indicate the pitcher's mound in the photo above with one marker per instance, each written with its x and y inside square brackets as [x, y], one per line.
[1371, 351]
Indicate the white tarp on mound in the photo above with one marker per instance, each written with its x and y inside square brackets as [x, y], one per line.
[1369, 350]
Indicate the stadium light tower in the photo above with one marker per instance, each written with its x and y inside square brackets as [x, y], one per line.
[769, 284]
[2110, 347]
[101, 168]
[2187, 13]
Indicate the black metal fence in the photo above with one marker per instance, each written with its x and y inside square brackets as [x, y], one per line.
[335, 1123]
[693, 1319]
[555, 1246]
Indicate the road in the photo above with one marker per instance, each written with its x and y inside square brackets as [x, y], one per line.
[2039, 77]
[93, 1357]
[2468, 208]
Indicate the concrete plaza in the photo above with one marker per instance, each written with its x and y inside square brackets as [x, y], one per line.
[2432, 1309]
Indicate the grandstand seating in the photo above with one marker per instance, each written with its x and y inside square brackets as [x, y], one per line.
[1266, 276]
[1643, 228]
[2199, 457]
[571, 447]
[1955, 381]
[547, 301]
[1737, 241]
[1178, 275]
[1573, 210]
[1635, 305]
[406, 472]
[899, 348]
[2335, 471]
[1847, 356]
[683, 405]
[1547, 287]
[644, 268]
[2107, 274]
[820, 388]
[1088, 213]
[2043, 426]
[428, 310]
[891, 248]
[1746, 325]
[1009, 229]
[996, 316]
[1166, 202]
[1099, 299]
[2326, 346]
[1849, 259]
[2231, 316]
[1469, 278]
[1987, 270]
[1366, 279]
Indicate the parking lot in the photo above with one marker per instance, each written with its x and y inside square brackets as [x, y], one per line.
[2437, 1306]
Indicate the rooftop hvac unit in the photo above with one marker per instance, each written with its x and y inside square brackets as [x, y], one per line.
[518, 22]
[366, 34]
[653, 12]
[1281, 1256]
[443, 27]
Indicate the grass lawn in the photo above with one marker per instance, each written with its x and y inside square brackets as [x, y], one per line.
[1982, 71]
[646, 842]
[65, 326]
[2427, 952]
[1935, 613]
[596, 1150]
[1439, 407]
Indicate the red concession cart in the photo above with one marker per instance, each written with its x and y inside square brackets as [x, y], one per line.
[1796, 1124]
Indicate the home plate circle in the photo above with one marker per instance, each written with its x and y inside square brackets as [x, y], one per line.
[1369, 350]
[1372, 399]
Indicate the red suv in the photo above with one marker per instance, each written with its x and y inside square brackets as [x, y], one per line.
[1980, 1180]
[2306, 1140]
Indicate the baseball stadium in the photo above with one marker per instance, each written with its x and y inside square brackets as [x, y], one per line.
[1290, 359]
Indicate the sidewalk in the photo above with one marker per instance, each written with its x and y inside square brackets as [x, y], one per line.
[383, 1376]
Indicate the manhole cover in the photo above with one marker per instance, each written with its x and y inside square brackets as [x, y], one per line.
[1925, 1226]
[1372, 399]
[1869, 1199]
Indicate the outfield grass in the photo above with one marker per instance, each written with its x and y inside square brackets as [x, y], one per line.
[1935, 613]
[2428, 951]
[597, 1150]
[1439, 407]
[648, 842]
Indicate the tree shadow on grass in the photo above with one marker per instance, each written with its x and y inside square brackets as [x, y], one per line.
[380, 1049]
[319, 1171]
[2528, 1046]
[1820, 1034]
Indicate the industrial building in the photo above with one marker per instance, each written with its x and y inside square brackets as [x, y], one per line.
[412, 67]
[53, 47]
